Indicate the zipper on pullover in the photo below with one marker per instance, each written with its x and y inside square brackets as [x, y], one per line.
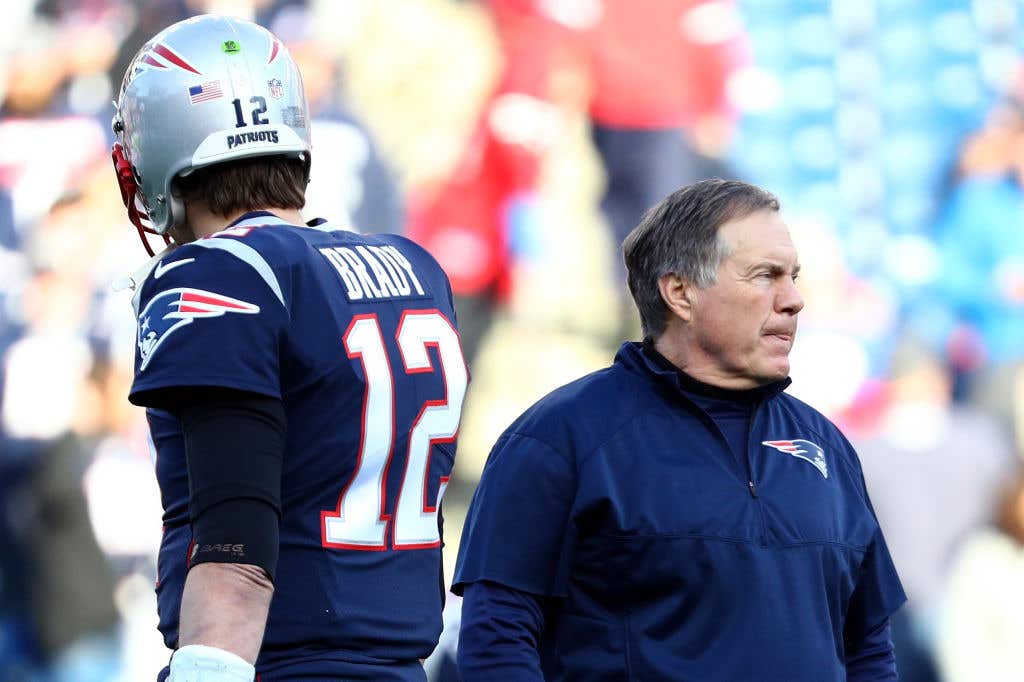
[754, 414]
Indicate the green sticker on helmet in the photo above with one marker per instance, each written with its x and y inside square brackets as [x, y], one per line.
[231, 47]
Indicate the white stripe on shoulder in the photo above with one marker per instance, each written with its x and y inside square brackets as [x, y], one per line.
[260, 221]
[248, 254]
[265, 220]
[329, 227]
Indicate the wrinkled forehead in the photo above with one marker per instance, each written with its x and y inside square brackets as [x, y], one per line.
[761, 235]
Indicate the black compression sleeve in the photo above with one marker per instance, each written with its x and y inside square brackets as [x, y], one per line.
[234, 443]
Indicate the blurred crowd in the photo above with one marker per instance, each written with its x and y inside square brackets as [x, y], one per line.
[519, 141]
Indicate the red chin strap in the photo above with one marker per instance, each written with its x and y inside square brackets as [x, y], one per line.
[129, 194]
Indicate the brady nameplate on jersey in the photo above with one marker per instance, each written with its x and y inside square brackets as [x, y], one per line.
[374, 272]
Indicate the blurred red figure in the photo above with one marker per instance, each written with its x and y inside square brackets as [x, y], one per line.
[656, 80]
[665, 65]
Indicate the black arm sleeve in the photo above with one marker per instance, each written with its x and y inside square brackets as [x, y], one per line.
[234, 445]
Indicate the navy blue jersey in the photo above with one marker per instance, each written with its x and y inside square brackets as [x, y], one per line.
[665, 557]
[355, 334]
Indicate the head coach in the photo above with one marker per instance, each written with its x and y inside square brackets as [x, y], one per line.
[677, 515]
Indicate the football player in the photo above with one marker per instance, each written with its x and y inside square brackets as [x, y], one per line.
[304, 384]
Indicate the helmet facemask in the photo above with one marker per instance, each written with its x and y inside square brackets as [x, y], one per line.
[129, 187]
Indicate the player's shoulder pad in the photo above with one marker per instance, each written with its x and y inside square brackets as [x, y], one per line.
[411, 256]
[407, 246]
[280, 244]
[216, 261]
[399, 241]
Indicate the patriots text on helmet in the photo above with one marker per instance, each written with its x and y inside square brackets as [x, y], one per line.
[244, 138]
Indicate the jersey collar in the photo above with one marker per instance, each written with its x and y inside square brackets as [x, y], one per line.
[257, 219]
[264, 218]
[644, 358]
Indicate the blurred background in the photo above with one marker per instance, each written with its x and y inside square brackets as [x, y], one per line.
[520, 140]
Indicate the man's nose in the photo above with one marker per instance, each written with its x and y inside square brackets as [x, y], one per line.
[789, 299]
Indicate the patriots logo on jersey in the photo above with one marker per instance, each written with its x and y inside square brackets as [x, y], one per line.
[171, 310]
[804, 449]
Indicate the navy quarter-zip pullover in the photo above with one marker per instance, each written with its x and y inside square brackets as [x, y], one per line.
[660, 554]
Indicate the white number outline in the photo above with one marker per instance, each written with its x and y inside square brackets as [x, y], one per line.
[414, 350]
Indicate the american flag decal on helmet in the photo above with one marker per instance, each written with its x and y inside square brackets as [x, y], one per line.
[173, 309]
[802, 449]
[205, 92]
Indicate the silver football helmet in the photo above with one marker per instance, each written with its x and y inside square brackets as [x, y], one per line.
[203, 91]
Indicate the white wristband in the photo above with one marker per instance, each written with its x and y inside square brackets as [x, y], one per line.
[198, 663]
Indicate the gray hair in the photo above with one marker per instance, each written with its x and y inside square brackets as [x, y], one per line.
[680, 236]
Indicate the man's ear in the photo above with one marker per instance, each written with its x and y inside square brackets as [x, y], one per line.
[678, 295]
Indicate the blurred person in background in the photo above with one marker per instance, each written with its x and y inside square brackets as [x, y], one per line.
[67, 600]
[660, 112]
[267, 346]
[930, 458]
[983, 618]
[654, 85]
[46, 142]
[981, 246]
[57, 583]
[49, 357]
[464, 221]
[349, 179]
[677, 515]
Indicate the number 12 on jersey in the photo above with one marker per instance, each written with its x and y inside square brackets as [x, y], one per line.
[360, 520]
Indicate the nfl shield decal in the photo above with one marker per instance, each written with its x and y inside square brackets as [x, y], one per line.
[803, 449]
[276, 88]
[171, 310]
